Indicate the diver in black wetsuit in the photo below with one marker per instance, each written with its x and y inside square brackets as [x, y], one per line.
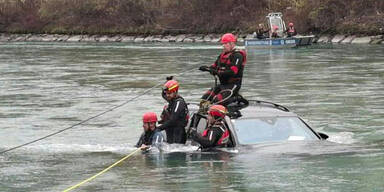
[176, 114]
[229, 67]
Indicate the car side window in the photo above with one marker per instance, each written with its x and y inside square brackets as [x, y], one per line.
[199, 122]
[202, 123]
[231, 142]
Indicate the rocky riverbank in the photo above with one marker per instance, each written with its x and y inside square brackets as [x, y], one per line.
[350, 39]
[186, 38]
[214, 38]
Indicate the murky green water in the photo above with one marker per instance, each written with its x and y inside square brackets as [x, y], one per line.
[46, 87]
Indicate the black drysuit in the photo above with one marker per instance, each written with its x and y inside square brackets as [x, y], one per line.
[174, 126]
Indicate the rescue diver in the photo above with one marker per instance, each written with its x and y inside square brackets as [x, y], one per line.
[175, 114]
[216, 134]
[291, 31]
[229, 67]
[151, 135]
[274, 33]
[261, 31]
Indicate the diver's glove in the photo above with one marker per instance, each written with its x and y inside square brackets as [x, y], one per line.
[204, 68]
[203, 106]
[213, 71]
[169, 78]
[163, 95]
[193, 132]
[145, 147]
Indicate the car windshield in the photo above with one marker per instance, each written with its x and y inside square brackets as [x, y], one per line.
[250, 131]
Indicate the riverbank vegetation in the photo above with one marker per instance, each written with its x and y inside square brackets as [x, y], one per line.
[151, 17]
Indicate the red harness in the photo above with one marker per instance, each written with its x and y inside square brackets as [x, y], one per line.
[224, 62]
[225, 59]
[224, 137]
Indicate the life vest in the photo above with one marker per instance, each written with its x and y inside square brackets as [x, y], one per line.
[224, 62]
[291, 30]
[224, 139]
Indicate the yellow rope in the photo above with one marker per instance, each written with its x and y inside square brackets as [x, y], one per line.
[103, 171]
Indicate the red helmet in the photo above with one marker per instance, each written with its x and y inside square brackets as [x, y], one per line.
[290, 24]
[171, 86]
[217, 111]
[149, 117]
[228, 37]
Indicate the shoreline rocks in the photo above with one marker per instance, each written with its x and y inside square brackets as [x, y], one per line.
[185, 38]
[350, 39]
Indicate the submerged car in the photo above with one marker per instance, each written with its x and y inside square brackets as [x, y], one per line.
[261, 122]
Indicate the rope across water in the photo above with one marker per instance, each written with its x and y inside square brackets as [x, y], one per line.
[101, 172]
[93, 117]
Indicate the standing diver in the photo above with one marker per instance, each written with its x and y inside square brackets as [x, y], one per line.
[176, 114]
[229, 67]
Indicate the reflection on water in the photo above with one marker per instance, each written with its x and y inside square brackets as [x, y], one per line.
[46, 87]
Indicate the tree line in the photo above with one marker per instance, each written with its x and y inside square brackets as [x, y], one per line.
[187, 16]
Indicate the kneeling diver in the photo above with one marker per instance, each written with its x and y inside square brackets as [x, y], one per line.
[216, 134]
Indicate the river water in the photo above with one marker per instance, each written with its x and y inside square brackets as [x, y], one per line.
[46, 87]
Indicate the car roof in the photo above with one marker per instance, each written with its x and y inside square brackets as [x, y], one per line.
[257, 109]
[253, 111]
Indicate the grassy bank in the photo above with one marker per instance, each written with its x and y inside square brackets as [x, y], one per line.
[133, 17]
